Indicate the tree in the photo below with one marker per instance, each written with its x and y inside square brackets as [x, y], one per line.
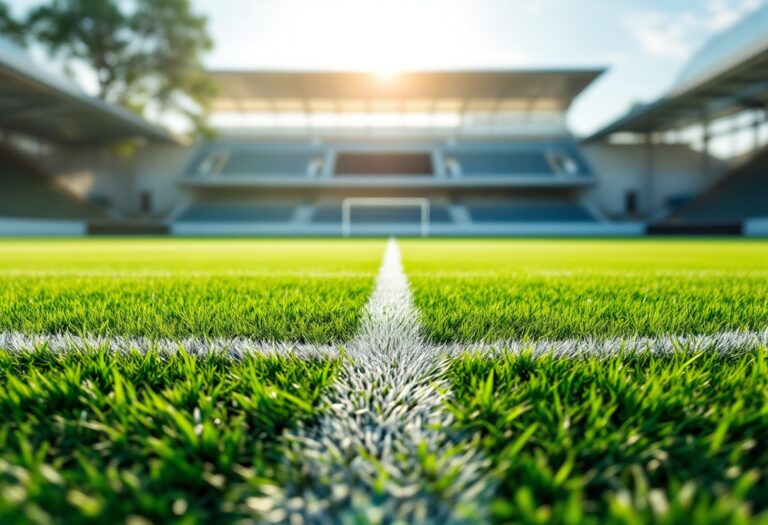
[145, 55]
[9, 26]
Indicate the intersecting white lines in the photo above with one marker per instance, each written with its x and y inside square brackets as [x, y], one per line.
[385, 414]
[366, 459]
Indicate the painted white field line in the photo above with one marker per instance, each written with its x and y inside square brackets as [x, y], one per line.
[235, 348]
[723, 342]
[367, 459]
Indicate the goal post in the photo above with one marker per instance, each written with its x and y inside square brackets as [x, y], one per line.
[393, 202]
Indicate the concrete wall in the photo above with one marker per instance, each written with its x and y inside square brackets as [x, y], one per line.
[121, 179]
[158, 171]
[41, 228]
[656, 172]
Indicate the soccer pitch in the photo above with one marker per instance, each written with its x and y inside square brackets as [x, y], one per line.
[418, 381]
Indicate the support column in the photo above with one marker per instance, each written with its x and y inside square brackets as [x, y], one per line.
[705, 139]
[757, 123]
[650, 172]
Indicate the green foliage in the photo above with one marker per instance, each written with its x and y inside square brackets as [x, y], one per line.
[10, 27]
[492, 290]
[308, 291]
[627, 440]
[93, 437]
[144, 53]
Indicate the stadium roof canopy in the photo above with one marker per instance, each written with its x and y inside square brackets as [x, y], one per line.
[41, 104]
[728, 75]
[422, 94]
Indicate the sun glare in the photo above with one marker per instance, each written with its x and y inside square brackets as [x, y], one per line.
[385, 74]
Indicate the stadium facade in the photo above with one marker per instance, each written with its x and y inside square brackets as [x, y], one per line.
[439, 153]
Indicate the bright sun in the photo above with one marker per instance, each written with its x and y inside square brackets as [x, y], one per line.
[385, 74]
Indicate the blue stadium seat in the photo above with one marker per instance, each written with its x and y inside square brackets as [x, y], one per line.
[265, 163]
[740, 195]
[527, 159]
[547, 211]
[237, 212]
[327, 214]
[494, 163]
[237, 159]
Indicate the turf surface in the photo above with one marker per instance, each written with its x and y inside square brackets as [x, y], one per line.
[307, 291]
[631, 439]
[560, 289]
[94, 437]
[91, 436]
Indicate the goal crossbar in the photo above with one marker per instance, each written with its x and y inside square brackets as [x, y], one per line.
[394, 202]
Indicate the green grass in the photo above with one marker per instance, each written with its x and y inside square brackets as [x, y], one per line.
[627, 440]
[559, 289]
[93, 437]
[307, 291]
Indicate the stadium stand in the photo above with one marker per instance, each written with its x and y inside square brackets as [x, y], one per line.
[743, 194]
[714, 116]
[515, 159]
[527, 211]
[491, 150]
[500, 164]
[239, 159]
[29, 193]
[237, 212]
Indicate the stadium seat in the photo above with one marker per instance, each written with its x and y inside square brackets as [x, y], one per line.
[742, 194]
[528, 211]
[27, 192]
[518, 163]
[243, 160]
[236, 212]
[526, 159]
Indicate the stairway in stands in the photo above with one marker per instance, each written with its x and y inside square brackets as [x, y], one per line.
[27, 192]
[740, 195]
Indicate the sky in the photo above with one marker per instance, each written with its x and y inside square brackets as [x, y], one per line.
[642, 43]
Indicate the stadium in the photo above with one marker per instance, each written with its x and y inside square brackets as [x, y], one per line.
[488, 152]
[387, 297]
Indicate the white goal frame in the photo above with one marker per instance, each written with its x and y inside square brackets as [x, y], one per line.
[395, 202]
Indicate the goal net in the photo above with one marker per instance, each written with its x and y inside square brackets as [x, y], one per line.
[384, 202]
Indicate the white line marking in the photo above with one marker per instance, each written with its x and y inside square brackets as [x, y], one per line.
[237, 347]
[364, 460]
[724, 342]
[385, 413]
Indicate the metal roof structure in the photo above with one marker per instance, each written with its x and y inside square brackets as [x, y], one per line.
[557, 87]
[43, 105]
[407, 99]
[728, 75]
